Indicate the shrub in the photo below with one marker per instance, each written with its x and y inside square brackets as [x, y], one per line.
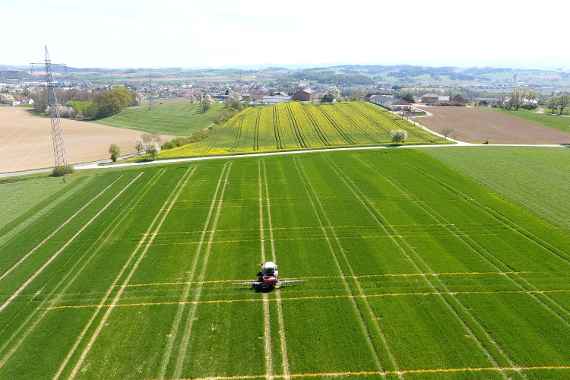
[399, 136]
[153, 150]
[60, 171]
[149, 145]
[180, 141]
[115, 152]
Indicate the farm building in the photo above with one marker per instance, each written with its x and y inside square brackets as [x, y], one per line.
[392, 103]
[303, 95]
[434, 99]
[382, 100]
[274, 99]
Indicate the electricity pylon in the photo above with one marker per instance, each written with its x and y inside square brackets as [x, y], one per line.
[56, 135]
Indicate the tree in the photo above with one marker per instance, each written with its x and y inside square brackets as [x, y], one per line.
[111, 102]
[553, 105]
[153, 149]
[206, 103]
[408, 97]
[115, 152]
[328, 98]
[563, 102]
[150, 145]
[233, 101]
[516, 99]
[399, 136]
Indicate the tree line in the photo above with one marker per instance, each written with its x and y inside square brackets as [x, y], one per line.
[87, 105]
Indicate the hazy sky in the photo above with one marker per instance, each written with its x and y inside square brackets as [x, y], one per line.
[215, 33]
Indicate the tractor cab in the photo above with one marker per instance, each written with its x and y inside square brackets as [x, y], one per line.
[269, 269]
[268, 275]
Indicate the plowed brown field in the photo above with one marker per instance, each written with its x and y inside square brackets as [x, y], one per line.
[477, 125]
[25, 142]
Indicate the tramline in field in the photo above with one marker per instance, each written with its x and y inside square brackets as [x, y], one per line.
[413, 271]
[292, 126]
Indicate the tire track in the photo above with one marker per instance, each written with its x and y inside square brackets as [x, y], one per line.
[316, 127]
[295, 127]
[276, 132]
[420, 371]
[146, 238]
[67, 243]
[40, 244]
[256, 131]
[358, 314]
[8, 232]
[237, 137]
[342, 133]
[315, 298]
[70, 277]
[186, 291]
[357, 126]
[185, 342]
[265, 296]
[547, 303]
[280, 319]
[504, 220]
[454, 306]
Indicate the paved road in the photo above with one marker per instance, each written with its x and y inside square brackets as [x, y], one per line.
[106, 164]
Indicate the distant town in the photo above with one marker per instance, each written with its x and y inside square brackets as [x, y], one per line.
[394, 87]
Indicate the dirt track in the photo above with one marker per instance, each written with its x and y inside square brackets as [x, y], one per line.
[25, 142]
[477, 125]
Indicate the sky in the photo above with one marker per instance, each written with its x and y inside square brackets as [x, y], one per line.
[241, 33]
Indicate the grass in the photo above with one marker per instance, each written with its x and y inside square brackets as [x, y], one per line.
[412, 270]
[546, 119]
[169, 117]
[535, 177]
[292, 126]
[23, 199]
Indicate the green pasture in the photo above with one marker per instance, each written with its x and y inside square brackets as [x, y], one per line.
[167, 117]
[546, 119]
[538, 178]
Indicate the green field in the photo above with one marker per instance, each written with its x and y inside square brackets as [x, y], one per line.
[545, 119]
[290, 126]
[168, 117]
[413, 271]
[539, 178]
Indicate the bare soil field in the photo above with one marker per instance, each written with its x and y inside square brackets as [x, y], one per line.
[25, 142]
[477, 125]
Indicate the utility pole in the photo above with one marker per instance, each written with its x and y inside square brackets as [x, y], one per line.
[58, 144]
